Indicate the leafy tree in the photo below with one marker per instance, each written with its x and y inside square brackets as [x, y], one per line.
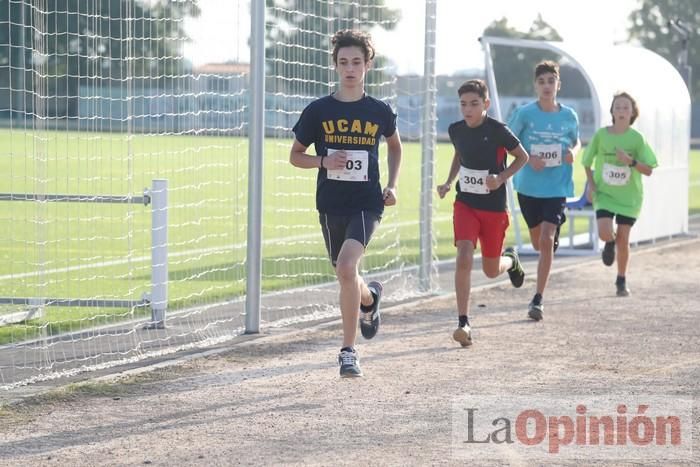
[649, 25]
[513, 66]
[298, 40]
[90, 41]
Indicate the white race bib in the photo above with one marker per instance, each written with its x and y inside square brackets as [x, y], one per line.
[356, 166]
[616, 175]
[550, 153]
[473, 181]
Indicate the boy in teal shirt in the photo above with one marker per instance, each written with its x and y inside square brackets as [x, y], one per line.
[549, 132]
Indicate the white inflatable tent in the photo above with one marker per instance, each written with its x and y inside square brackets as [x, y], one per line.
[664, 104]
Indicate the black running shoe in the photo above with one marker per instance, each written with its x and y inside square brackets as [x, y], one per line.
[369, 318]
[608, 253]
[622, 290]
[556, 234]
[516, 273]
[349, 364]
[535, 311]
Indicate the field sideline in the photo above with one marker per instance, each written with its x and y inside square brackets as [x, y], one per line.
[207, 199]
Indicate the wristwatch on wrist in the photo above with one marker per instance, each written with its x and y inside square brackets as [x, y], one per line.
[633, 163]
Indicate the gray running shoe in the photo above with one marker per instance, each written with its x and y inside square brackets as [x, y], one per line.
[622, 290]
[535, 311]
[349, 364]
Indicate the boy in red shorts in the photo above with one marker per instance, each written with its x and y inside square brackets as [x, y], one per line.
[480, 210]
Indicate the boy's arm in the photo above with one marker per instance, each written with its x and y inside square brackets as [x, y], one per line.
[454, 170]
[394, 154]
[521, 158]
[494, 181]
[571, 152]
[298, 157]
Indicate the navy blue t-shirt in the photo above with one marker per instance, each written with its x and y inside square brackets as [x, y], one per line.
[328, 123]
[483, 148]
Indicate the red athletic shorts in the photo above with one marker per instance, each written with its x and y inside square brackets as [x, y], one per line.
[489, 227]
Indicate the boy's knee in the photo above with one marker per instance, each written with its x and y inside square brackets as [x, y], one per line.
[345, 271]
[491, 272]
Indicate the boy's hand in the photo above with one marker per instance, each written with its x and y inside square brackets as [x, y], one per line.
[537, 163]
[389, 195]
[623, 157]
[569, 156]
[336, 160]
[443, 189]
[493, 181]
[590, 191]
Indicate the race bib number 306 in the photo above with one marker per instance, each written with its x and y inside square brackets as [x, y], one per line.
[356, 167]
[550, 153]
[616, 175]
[473, 181]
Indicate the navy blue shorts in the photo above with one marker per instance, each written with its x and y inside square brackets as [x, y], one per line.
[338, 228]
[619, 218]
[538, 210]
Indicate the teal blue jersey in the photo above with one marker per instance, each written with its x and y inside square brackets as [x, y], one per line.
[548, 135]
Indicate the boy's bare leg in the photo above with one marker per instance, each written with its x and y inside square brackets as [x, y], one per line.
[352, 288]
[546, 248]
[606, 232]
[622, 244]
[463, 275]
[494, 267]
[463, 285]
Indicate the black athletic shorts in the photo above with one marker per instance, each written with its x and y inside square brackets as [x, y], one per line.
[538, 210]
[336, 229]
[619, 218]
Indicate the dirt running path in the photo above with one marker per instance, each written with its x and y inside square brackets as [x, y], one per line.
[278, 399]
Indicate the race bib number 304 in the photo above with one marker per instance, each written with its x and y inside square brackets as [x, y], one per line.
[356, 167]
[550, 153]
[616, 175]
[473, 181]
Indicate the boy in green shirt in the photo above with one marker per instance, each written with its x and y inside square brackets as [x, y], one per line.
[620, 155]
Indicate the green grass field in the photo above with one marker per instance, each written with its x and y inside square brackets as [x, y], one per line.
[103, 250]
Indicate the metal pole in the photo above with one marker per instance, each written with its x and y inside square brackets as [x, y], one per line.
[159, 253]
[256, 140]
[493, 91]
[428, 148]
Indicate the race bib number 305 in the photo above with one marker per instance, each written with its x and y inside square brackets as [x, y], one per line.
[616, 175]
[356, 167]
[549, 153]
[473, 181]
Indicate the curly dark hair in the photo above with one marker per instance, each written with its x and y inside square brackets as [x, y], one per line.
[352, 38]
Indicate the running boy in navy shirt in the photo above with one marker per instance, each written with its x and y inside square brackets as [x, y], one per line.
[345, 129]
[480, 210]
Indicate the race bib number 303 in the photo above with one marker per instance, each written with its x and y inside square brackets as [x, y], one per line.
[473, 181]
[616, 175]
[356, 167]
[549, 153]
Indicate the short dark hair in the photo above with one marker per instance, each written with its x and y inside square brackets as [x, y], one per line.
[477, 86]
[547, 66]
[352, 38]
[635, 107]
